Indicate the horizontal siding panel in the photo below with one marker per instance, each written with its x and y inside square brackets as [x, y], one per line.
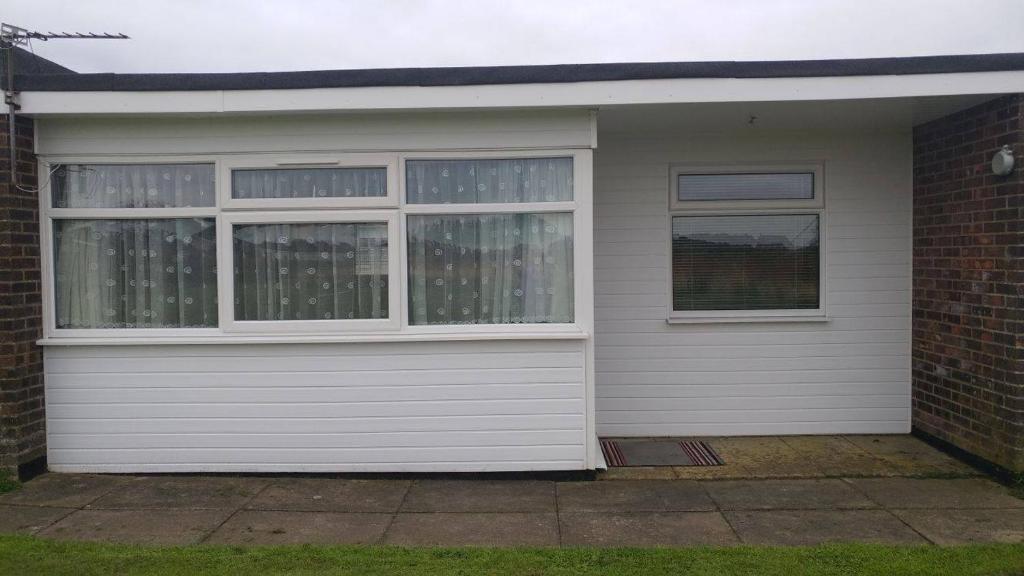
[383, 407]
[437, 408]
[733, 351]
[407, 379]
[763, 364]
[759, 390]
[611, 405]
[301, 363]
[142, 426]
[849, 374]
[303, 394]
[706, 335]
[750, 415]
[478, 465]
[298, 456]
[332, 441]
[901, 375]
[898, 426]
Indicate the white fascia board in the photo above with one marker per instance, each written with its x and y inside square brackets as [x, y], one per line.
[588, 94]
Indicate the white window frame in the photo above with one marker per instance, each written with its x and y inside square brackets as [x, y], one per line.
[815, 168]
[306, 161]
[392, 209]
[226, 285]
[48, 214]
[697, 208]
[579, 207]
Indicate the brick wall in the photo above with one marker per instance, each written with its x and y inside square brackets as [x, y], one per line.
[968, 280]
[22, 422]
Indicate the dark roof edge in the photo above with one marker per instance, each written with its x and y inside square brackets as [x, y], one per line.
[558, 73]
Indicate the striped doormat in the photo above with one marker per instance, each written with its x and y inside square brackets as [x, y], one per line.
[659, 453]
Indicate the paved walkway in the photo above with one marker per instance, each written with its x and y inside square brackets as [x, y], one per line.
[427, 512]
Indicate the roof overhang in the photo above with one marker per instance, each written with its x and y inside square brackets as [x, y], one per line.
[593, 94]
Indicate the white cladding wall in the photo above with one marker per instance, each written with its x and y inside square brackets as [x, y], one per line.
[416, 406]
[848, 375]
[306, 132]
[384, 406]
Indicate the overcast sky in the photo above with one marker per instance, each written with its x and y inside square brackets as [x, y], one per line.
[256, 35]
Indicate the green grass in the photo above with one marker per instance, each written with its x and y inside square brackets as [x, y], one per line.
[8, 483]
[24, 555]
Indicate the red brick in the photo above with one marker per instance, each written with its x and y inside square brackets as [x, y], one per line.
[968, 367]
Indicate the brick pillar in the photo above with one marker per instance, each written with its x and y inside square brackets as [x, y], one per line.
[968, 278]
[22, 418]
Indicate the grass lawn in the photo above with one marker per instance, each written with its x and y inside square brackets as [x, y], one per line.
[7, 482]
[27, 555]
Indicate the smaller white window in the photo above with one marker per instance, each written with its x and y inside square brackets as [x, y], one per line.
[769, 186]
[746, 243]
[313, 181]
[310, 272]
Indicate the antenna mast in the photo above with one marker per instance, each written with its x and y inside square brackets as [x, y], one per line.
[11, 37]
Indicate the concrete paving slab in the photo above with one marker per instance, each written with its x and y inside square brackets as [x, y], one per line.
[765, 457]
[182, 492]
[259, 527]
[968, 493]
[633, 496]
[950, 527]
[726, 472]
[639, 473]
[836, 456]
[645, 529]
[480, 496]
[796, 494]
[331, 495]
[473, 529]
[911, 456]
[63, 490]
[163, 527]
[29, 519]
[809, 527]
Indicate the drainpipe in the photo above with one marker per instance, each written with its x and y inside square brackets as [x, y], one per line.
[12, 109]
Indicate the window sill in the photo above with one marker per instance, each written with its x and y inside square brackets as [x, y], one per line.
[309, 338]
[817, 318]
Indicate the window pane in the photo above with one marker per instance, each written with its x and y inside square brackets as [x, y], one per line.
[136, 273]
[745, 262]
[310, 183]
[746, 186]
[310, 271]
[488, 181]
[490, 269]
[132, 185]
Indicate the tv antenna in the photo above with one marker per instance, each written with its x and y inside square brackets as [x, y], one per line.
[12, 37]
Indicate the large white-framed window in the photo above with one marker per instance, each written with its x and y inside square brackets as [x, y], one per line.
[301, 271]
[129, 246]
[292, 246]
[492, 241]
[747, 243]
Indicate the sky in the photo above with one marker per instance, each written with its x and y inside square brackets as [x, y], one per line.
[271, 35]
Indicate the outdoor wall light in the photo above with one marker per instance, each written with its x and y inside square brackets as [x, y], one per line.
[1002, 162]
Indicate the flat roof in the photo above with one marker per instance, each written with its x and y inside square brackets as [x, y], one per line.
[497, 75]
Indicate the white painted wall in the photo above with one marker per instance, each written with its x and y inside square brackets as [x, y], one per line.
[848, 375]
[219, 404]
[313, 132]
[414, 406]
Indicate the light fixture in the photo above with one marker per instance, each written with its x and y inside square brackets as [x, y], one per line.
[1002, 162]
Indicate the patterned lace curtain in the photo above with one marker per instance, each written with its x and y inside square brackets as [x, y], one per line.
[310, 271]
[490, 268]
[136, 273]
